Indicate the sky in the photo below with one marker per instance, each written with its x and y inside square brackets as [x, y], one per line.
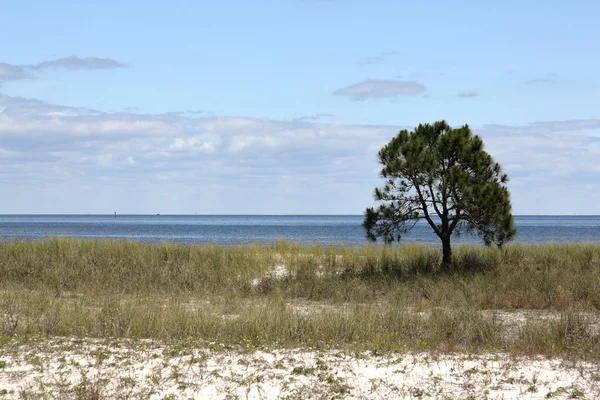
[280, 106]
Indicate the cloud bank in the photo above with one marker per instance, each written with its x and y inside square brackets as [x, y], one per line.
[295, 166]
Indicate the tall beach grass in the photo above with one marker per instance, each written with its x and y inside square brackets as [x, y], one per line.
[292, 295]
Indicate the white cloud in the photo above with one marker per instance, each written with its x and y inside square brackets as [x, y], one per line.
[550, 77]
[10, 72]
[231, 124]
[545, 127]
[240, 142]
[83, 126]
[75, 62]
[105, 159]
[467, 95]
[380, 58]
[378, 88]
[192, 144]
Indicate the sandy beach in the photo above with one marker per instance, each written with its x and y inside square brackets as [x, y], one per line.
[131, 369]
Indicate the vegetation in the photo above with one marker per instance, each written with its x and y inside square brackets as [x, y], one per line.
[524, 299]
[443, 176]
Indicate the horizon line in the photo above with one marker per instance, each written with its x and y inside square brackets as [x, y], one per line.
[257, 215]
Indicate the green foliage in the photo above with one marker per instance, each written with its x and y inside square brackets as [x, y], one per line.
[443, 176]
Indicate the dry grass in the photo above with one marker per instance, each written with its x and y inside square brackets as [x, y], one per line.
[373, 297]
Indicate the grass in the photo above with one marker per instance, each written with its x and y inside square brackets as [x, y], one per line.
[372, 297]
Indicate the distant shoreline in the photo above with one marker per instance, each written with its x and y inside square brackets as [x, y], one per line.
[255, 215]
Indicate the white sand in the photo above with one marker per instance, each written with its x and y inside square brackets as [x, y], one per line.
[62, 368]
[278, 272]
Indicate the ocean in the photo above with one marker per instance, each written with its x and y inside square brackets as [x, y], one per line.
[231, 230]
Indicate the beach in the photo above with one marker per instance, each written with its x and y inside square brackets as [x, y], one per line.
[117, 319]
[119, 369]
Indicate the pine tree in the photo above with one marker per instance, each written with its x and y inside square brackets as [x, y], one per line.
[443, 176]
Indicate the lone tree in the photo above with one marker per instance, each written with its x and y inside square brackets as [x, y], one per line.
[444, 176]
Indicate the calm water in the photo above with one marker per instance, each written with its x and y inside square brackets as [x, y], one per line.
[240, 229]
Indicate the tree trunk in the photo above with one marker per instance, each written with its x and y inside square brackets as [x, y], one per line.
[447, 251]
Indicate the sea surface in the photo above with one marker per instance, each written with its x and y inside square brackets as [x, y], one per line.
[243, 229]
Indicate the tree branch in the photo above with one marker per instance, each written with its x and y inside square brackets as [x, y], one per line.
[424, 205]
[437, 210]
[455, 221]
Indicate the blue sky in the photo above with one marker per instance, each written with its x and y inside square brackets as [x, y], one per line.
[280, 106]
